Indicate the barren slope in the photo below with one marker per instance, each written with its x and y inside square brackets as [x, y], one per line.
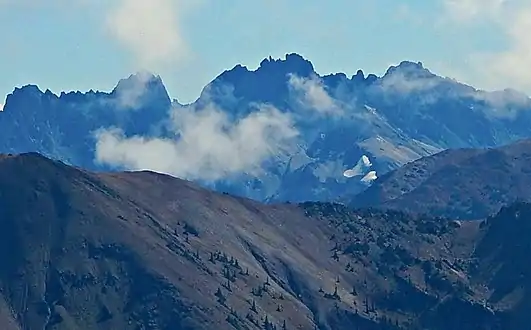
[147, 251]
[464, 184]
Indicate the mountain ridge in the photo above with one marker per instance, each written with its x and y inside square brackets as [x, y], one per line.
[142, 249]
[329, 123]
[463, 183]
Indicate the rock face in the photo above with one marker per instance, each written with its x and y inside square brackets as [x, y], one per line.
[63, 126]
[406, 114]
[140, 250]
[463, 184]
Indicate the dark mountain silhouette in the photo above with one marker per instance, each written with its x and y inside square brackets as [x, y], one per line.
[406, 114]
[141, 250]
[461, 183]
[63, 126]
[501, 264]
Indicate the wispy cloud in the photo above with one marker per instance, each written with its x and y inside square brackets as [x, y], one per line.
[311, 93]
[505, 103]
[151, 32]
[469, 10]
[207, 144]
[509, 67]
[149, 29]
[402, 83]
[501, 99]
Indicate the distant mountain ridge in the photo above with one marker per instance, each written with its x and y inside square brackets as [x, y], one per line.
[62, 126]
[331, 122]
[464, 184]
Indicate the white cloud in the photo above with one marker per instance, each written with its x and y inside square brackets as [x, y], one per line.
[501, 99]
[149, 29]
[311, 93]
[402, 83]
[503, 104]
[152, 32]
[512, 66]
[467, 10]
[208, 145]
[509, 67]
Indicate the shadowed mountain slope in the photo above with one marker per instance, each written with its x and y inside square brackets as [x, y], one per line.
[147, 251]
[462, 183]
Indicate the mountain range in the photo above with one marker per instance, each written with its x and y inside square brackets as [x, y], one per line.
[141, 250]
[467, 184]
[279, 199]
[279, 133]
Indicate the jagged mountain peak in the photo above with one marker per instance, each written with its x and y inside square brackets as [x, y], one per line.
[35, 90]
[139, 90]
[360, 75]
[411, 64]
[410, 69]
[394, 119]
[142, 84]
[275, 72]
[29, 88]
[141, 77]
[268, 82]
[25, 95]
[292, 63]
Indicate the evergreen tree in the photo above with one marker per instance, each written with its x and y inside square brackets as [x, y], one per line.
[354, 292]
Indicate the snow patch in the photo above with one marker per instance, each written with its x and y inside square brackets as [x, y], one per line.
[366, 161]
[361, 168]
[369, 177]
[362, 171]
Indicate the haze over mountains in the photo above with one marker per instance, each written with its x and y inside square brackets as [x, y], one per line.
[279, 133]
[80, 250]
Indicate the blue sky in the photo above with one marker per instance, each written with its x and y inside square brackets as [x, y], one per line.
[82, 44]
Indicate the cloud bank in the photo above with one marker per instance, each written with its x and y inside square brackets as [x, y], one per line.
[207, 145]
[311, 94]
